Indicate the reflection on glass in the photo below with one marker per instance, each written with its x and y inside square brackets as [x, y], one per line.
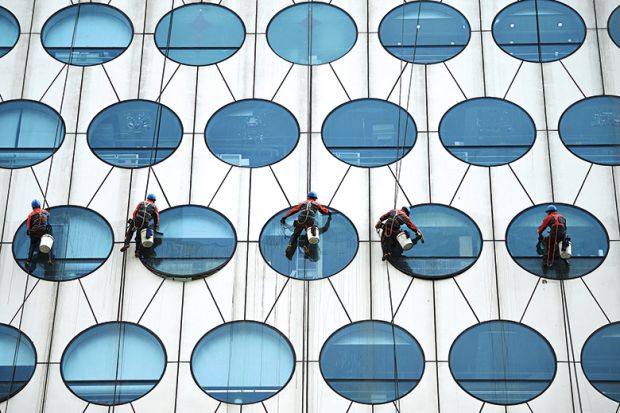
[9, 31]
[113, 363]
[17, 361]
[502, 362]
[243, 362]
[600, 360]
[613, 25]
[372, 362]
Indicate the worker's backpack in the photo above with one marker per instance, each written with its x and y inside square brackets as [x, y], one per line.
[38, 224]
[143, 215]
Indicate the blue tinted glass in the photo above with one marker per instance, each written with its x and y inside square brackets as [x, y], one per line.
[591, 129]
[243, 362]
[452, 243]
[502, 362]
[199, 34]
[30, 132]
[194, 241]
[372, 362]
[113, 363]
[87, 34]
[252, 133]
[590, 242]
[613, 25]
[539, 30]
[424, 32]
[600, 360]
[311, 33]
[369, 132]
[338, 243]
[135, 134]
[18, 359]
[82, 243]
[487, 131]
[9, 31]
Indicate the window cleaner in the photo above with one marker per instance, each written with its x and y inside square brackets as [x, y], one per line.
[394, 240]
[556, 242]
[40, 232]
[140, 224]
[306, 220]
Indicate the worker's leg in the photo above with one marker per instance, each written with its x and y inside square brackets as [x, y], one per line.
[128, 236]
[138, 242]
[292, 243]
[34, 246]
[387, 245]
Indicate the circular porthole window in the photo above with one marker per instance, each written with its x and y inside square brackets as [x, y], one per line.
[9, 31]
[252, 133]
[600, 360]
[135, 134]
[311, 33]
[243, 362]
[87, 34]
[502, 362]
[18, 360]
[539, 30]
[613, 26]
[31, 132]
[82, 243]
[113, 363]
[372, 362]
[200, 34]
[424, 32]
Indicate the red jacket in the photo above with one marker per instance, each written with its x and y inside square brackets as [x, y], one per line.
[551, 220]
[35, 212]
[298, 207]
[155, 218]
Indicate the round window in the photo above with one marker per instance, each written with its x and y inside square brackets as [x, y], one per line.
[600, 360]
[18, 359]
[9, 31]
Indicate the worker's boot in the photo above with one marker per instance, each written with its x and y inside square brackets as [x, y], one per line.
[307, 251]
[28, 263]
[386, 256]
[49, 261]
[290, 250]
[125, 247]
[137, 254]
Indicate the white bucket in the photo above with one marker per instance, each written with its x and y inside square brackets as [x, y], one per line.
[147, 242]
[47, 242]
[313, 235]
[568, 252]
[404, 241]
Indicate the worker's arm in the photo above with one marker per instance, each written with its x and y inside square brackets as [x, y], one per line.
[28, 224]
[156, 217]
[410, 224]
[544, 224]
[322, 209]
[135, 211]
[291, 211]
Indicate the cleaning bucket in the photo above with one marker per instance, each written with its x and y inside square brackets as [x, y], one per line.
[404, 241]
[313, 235]
[148, 237]
[47, 242]
[566, 249]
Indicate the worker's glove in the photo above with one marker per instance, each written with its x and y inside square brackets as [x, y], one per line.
[378, 231]
[540, 237]
[283, 221]
[420, 236]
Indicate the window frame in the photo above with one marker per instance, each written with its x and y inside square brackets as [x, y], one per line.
[34, 366]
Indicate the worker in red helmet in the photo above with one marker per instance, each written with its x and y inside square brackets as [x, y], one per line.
[306, 220]
[556, 223]
[389, 227]
[145, 212]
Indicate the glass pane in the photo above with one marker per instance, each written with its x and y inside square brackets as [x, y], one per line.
[600, 360]
[589, 239]
[135, 134]
[372, 362]
[487, 131]
[502, 362]
[87, 34]
[590, 129]
[424, 32]
[337, 246]
[243, 362]
[18, 360]
[562, 30]
[194, 241]
[613, 26]
[252, 133]
[82, 243]
[369, 132]
[199, 34]
[9, 31]
[113, 363]
[312, 33]
[30, 133]
[452, 243]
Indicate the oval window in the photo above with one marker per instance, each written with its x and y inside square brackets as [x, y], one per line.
[337, 246]
[372, 362]
[199, 34]
[590, 129]
[600, 360]
[539, 30]
[82, 243]
[487, 131]
[252, 133]
[135, 134]
[9, 31]
[243, 362]
[113, 363]
[424, 32]
[31, 132]
[502, 362]
[369, 132]
[87, 34]
[453, 243]
[311, 33]
[613, 26]
[589, 239]
[193, 242]
[18, 360]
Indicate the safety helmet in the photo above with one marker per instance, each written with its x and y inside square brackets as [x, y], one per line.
[151, 197]
[551, 208]
[406, 210]
[35, 204]
[312, 195]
